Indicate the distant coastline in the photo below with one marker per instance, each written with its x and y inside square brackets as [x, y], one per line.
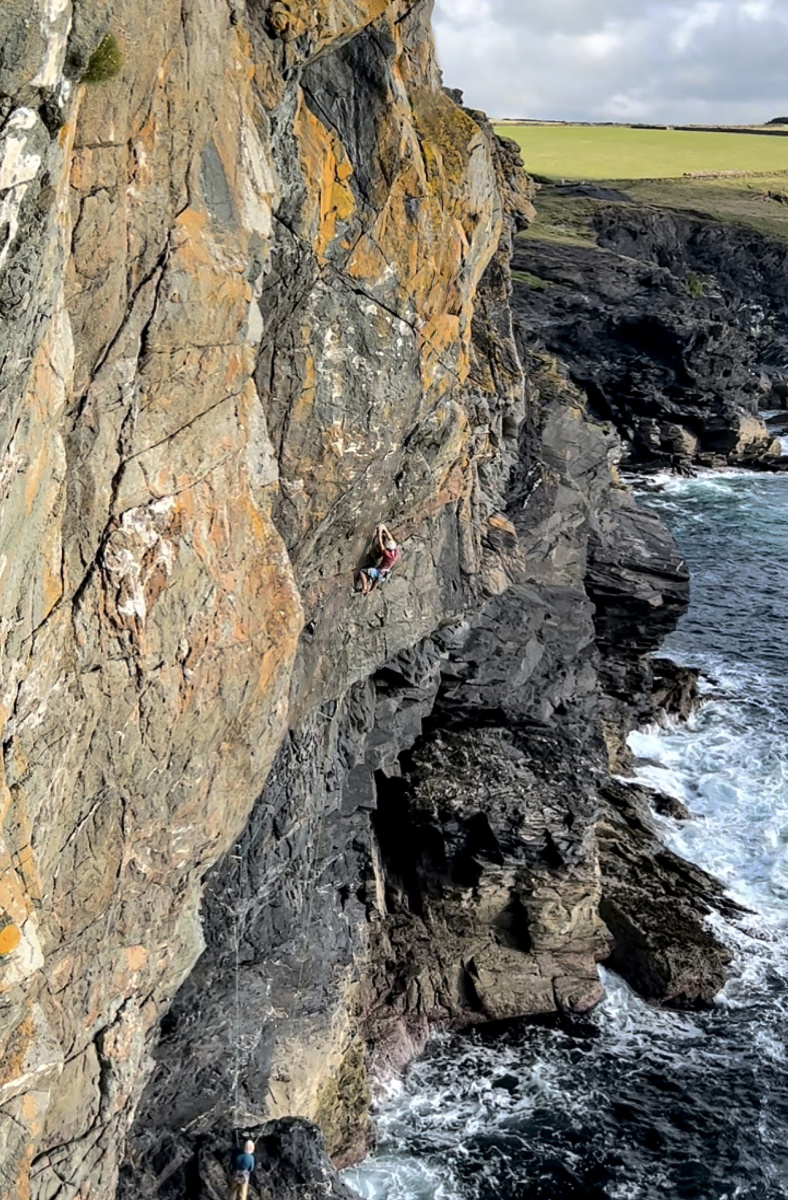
[759, 130]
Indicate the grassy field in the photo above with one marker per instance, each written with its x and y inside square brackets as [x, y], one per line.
[757, 202]
[619, 152]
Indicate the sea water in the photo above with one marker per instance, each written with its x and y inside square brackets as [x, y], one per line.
[632, 1102]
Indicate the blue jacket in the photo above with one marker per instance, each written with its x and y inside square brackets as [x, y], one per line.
[243, 1161]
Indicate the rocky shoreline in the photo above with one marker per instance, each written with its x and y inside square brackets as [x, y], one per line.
[673, 324]
[259, 834]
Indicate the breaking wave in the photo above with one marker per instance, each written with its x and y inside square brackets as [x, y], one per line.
[632, 1102]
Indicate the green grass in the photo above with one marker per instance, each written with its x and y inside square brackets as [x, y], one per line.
[534, 281]
[695, 285]
[564, 220]
[752, 202]
[602, 152]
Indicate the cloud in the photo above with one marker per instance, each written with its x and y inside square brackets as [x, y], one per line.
[673, 61]
[703, 16]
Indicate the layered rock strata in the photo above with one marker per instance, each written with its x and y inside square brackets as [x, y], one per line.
[677, 327]
[237, 288]
[255, 291]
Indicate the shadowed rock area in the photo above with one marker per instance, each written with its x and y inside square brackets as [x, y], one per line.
[676, 326]
[290, 1164]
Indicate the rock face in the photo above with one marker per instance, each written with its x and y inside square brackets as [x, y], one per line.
[654, 903]
[425, 850]
[256, 833]
[290, 1164]
[676, 327]
[237, 288]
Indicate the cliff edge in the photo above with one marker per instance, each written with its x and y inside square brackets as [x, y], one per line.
[259, 833]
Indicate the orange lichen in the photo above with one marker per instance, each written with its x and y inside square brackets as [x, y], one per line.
[10, 937]
[327, 171]
[367, 260]
[438, 340]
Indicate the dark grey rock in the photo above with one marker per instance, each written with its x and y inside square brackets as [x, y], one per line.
[290, 1164]
[670, 323]
[675, 689]
[655, 904]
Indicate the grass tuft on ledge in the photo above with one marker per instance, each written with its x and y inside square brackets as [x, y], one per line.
[105, 62]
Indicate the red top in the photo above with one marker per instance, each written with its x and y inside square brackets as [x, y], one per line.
[388, 558]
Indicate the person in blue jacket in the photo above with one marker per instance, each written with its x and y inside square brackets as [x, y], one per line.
[243, 1165]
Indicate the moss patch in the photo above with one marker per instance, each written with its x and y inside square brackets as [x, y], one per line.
[532, 280]
[695, 285]
[105, 62]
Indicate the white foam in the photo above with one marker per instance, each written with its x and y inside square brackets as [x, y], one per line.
[728, 765]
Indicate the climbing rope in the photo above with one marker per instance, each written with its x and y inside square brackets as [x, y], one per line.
[237, 1023]
[310, 887]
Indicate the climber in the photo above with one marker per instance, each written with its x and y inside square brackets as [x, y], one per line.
[387, 555]
[243, 1165]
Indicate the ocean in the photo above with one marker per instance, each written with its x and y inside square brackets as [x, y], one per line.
[633, 1102]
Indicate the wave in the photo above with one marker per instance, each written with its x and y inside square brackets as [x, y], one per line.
[633, 1102]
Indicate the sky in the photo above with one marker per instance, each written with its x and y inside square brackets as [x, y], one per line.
[670, 61]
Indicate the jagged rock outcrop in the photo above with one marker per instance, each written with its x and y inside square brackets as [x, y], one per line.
[254, 279]
[675, 690]
[676, 327]
[649, 894]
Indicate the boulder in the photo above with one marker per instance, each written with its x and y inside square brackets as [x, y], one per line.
[675, 691]
[649, 894]
[678, 441]
[742, 439]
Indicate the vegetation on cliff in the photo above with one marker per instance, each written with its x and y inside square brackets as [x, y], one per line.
[105, 62]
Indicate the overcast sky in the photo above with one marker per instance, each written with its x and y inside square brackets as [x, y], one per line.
[618, 60]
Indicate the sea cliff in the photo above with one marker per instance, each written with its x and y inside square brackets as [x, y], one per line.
[260, 833]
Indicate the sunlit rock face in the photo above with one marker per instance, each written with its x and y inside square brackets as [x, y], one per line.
[254, 288]
[236, 283]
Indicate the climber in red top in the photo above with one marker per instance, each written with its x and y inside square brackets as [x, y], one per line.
[389, 554]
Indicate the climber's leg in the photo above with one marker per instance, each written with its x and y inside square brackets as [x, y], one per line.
[239, 1186]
